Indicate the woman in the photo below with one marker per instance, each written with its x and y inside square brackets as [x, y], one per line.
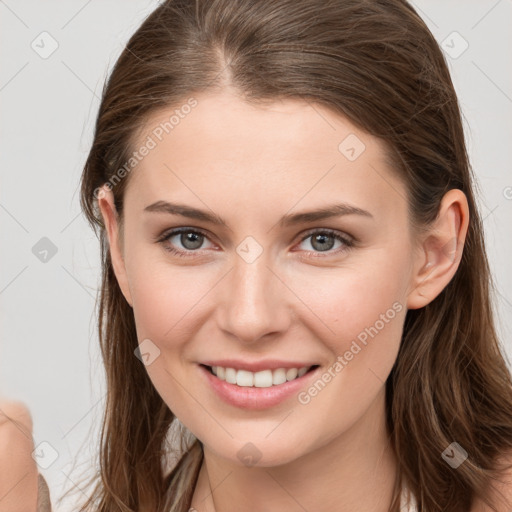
[295, 287]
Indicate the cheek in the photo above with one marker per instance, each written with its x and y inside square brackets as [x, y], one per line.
[359, 315]
[166, 302]
[358, 311]
[164, 294]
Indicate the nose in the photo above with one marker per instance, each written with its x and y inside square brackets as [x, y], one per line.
[254, 302]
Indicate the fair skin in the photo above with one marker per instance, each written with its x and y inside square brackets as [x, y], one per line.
[251, 166]
[18, 470]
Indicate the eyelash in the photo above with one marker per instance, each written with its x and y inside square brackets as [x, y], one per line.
[347, 242]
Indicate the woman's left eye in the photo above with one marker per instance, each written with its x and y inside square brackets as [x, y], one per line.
[322, 240]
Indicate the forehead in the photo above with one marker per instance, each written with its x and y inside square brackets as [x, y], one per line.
[287, 152]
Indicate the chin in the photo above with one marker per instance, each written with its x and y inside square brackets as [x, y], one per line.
[258, 453]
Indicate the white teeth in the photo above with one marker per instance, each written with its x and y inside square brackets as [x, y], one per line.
[262, 379]
[231, 375]
[291, 373]
[302, 371]
[244, 378]
[278, 376]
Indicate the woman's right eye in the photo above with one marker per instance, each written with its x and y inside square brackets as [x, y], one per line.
[190, 240]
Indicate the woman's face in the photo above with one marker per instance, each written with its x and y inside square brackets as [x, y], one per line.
[271, 287]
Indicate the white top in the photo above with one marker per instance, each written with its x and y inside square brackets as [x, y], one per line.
[408, 501]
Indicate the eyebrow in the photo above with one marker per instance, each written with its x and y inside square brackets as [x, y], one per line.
[335, 210]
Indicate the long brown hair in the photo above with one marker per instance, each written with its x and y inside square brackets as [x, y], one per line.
[376, 63]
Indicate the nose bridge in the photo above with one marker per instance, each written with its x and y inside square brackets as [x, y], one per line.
[253, 304]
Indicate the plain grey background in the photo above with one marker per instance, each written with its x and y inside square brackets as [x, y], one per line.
[55, 56]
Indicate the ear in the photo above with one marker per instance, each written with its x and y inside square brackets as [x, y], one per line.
[111, 221]
[440, 250]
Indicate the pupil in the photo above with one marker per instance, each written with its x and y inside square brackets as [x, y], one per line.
[191, 238]
[322, 239]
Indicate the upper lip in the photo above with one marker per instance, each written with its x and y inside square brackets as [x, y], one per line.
[256, 366]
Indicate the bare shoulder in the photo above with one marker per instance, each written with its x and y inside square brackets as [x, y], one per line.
[13, 410]
[501, 492]
[18, 482]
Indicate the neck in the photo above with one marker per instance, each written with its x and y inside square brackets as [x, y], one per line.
[354, 471]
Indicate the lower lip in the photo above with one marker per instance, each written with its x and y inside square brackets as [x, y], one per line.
[246, 397]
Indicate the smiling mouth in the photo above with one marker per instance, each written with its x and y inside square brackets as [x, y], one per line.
[261, 379]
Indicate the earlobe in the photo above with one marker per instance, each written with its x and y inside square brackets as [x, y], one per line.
[441, 250]
[111, 221]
